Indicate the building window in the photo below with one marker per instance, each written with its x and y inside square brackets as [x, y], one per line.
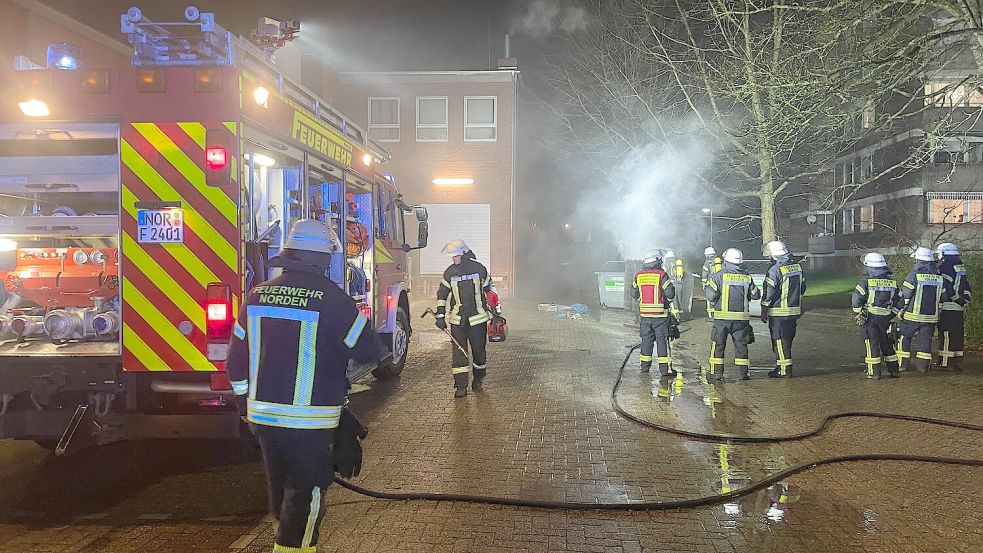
[848, 221]
[867, 167]
[955, 207]
[867, 118]
[951, 94]
[480, 118]
[866, 218]
[431, 119]
[384, 119]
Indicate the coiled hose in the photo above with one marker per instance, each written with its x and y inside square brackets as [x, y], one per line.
[696, 501]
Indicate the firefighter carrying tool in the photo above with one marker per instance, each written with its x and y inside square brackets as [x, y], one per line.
[654, 291]
[781, 304]
[876, 301]
[730, 290]
[462, 300]
[955, 299]
[287, 366]
[922, 295]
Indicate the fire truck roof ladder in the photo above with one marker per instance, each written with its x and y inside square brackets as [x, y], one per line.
[199, 40]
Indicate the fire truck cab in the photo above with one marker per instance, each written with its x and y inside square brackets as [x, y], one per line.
[137, 204]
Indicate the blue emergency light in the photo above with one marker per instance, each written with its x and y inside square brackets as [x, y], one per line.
[64, 55]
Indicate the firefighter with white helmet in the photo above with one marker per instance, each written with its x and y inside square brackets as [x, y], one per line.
[781, 304]
[921, 293]
[711, 265]
[673, 266]
[876, 301]
[731, 290]
[287, 362]
[462, 301]
[654, 290]
[955, 299]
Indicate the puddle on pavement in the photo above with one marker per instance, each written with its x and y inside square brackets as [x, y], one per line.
[688, 397]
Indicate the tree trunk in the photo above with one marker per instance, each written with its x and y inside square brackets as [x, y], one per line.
[767, 217]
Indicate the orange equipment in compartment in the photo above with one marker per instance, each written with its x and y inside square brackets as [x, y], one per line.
[64, 277]
[357, 234]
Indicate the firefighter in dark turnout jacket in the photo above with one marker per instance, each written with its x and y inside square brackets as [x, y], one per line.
[781, 305]
[287, 362]
[711, 265]
[654, 291]
[956, 295]
[876, 300]
[461, 300]
[731, 290]
[922, 296]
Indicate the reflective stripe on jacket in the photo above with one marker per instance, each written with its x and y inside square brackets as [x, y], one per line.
[652, 288]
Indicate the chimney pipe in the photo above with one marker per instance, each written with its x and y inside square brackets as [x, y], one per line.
[508, 46]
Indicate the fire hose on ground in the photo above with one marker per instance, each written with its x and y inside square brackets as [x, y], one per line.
[714, 499]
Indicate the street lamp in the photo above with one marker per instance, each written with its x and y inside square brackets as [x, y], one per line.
[709, 212]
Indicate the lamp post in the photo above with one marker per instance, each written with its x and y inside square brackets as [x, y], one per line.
[709, 213]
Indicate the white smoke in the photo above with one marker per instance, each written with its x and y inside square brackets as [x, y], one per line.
[542, 18]
[652, 199]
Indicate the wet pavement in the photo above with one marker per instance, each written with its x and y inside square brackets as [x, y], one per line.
[544, 429]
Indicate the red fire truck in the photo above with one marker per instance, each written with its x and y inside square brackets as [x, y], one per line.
[136, 206]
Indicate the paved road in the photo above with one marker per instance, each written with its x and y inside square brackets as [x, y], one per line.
[544, 429]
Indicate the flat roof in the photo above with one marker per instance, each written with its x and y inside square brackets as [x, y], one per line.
[423, 77]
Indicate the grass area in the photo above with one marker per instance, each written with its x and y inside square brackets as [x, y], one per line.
[829, 290]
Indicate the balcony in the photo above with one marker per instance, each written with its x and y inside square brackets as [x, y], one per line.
[822, 243]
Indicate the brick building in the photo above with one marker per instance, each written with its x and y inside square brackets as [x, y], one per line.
[452, 139]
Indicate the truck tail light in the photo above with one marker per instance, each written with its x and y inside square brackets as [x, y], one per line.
[216, 157]
[218, 311]
[366, 310]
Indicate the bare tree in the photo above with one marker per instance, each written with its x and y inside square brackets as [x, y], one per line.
[778, 90]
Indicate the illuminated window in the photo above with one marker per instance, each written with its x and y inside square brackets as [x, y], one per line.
[866, 218]
[955, 207]
[950, 94]
[384, 119]
[480, 118]
[431, 119]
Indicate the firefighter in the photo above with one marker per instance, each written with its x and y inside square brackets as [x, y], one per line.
[922, 296]
[731, 290]
[781, 304]
[876, 301]
[673, 267]
[462, 300]
[287, 362]
[711, 265]
[955, 299]
[653, 289]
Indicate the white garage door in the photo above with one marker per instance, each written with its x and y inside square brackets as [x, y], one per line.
[469, 222]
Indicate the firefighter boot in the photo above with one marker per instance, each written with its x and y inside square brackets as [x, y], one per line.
[479, 376]
[744, 373]
[461, 385]
[874, 373]
[646, 366]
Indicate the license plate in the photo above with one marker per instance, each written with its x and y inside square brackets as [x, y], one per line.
[160, 226]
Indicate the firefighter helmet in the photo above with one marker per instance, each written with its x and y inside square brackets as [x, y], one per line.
[874, 260]
[923, 254]
[670, 254]
[946, 248]
[498, 329]
[313, 236]
[734, 256]
[653, 256]
[776, 248]
[710, 251]
[455, 248]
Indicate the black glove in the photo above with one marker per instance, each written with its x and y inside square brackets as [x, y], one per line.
[441, 323]
[348, 445]
[764, 315]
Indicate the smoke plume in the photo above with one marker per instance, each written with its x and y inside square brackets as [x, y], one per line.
[542, 18]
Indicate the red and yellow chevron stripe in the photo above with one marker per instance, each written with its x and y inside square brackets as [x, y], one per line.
[163, 285]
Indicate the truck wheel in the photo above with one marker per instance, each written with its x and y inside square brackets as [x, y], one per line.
[399, 344]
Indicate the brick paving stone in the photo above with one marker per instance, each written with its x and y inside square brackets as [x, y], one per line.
[544, 429]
